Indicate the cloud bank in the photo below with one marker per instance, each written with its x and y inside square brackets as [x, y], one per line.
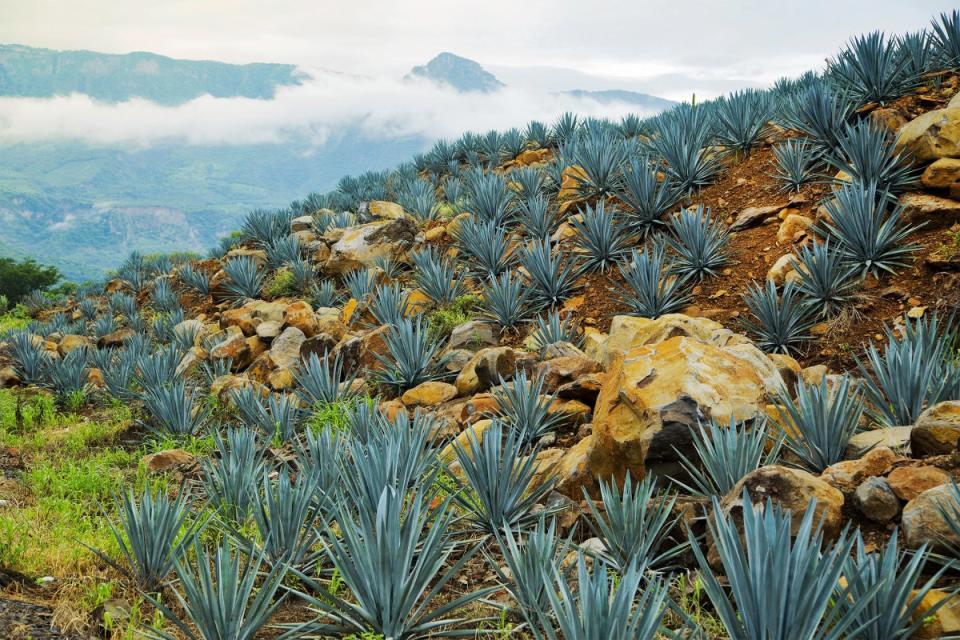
[310, 113]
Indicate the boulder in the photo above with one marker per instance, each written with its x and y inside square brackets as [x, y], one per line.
[935, 134]
[485, 369]
[360, 246]
[942, 174]
[896, 438]
[474, 335]
[115, 339]
[72, 342]
[792, 489]
[565, 369]
[937, 430]
[429, 394]
[285, 348]
[269, 330]
[250, 315]
[793, 228]
[923, 519]
[876, 501]
[656, 394]
[909, 482]
[754, 216]
[385, 210]
[932, 211]
[585, 388]
[299, 314]
[359, 352]
[8, 377]
[944, 622]
[629, 332]
[301, 223]
[169, 460]
[782, 269]
[848, 474]
[233, 345]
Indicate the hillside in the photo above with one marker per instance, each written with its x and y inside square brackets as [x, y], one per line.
[41, 73]
[693, 376]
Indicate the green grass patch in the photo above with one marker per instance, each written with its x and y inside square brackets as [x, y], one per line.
[443, 320]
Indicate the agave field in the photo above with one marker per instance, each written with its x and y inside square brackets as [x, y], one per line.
[690, 376]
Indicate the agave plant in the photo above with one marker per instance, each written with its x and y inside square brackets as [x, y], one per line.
[322, 381]
[119, 372]
[388, 266]
[945, 39]
[826, 280]
[681, 140]
[913, 372]
[636, 523]
[506, 301]
[524, 406]
[87, 308]
[795, 161]
[529, 182]
[537, 134]
[869, 69]
[820, 421]
[500, 479]
[487, 246]
[285, 512]
[819, 113]
[869, 236]
[650, 290]
[552, 278]
[565, 128]
[537, 218]
[173, 410]
[742, 118]
[360, 283]
[394, 560]
[601, 237]
[780, 322]
[645, 198]
[412, 357]
[152, 533]
[866, 154]
[915, 53]
[530, 557]
[103, 326]
[279, 417]
[225, 596]
[388, 304]
[263, 227]
[770, 561]
[160, 368]
[724, 455]
[600, 157]
[30, 361]
[164, 299]
[303, 272]
[319, 456]
[419, 198]
[68, 376]
[436, 277]
[893, 609]
[197, 281]
[552, 330]
[324, 294]
[699, 242]
[230, 477]
[489, 198]
[245, 278]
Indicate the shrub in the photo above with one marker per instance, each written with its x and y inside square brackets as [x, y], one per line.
[30, 361]
[600, 157]
[389, 304]
[945, 39]
[869, 236]
[538, 219]
[820, 114]
[601, 237]
[773, 562]
[820, 421]
[915, 371]
[650, 291]
[499, 472]
[795, 163]
[19, 278]
[152, 534]
[230, 476]
[68, 377]
[724, 455]
[826, 280]
[197, 281]
[285, 512]
[635, 524]
[412, 358]
[699, 242]
[780, 323]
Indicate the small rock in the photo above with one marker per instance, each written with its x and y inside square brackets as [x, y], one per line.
[169, 460]
[876, 501]
[848, 474]
[474, 335]
[896, 438]
[937, 430]
[909, 482]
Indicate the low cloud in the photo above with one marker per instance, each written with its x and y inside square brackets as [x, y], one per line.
[324, 105]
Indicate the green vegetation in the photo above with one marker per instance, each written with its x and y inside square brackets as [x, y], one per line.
[20, 277]
[444, 319]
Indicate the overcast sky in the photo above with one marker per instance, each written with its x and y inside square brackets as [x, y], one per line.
[671, 48]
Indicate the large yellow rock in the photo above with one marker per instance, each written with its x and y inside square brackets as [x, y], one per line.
[384, 209]
[429, 394]
[935, 134]
[937, 431]
[630, 332]
[653, 396]
[944, 622]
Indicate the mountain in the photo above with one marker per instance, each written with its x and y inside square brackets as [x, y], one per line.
[460, 73]
[466, 75]
[42, 73]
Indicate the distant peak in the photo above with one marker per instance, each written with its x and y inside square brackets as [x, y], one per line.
[460, 73]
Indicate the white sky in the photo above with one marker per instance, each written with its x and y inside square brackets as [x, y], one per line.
[671, 48]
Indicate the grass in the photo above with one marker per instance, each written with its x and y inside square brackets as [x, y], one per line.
[14, 319]
[444, 320]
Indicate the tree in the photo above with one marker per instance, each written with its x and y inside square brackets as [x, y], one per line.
[18, 278]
